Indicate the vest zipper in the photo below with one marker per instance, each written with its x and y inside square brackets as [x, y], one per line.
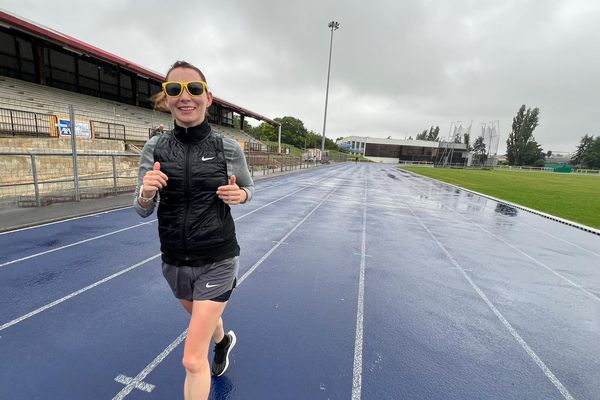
[186, 194]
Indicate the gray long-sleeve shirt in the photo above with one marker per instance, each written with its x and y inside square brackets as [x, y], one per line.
[234, 157]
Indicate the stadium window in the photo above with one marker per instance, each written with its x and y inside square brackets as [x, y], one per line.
[87, 69]
[9, 64]
[226, 117]
[59, 69]
[108, 82]
[143, 93]
[154, 88]
[88, 78]
[26, 56]
[125, 89]
[88, 86]
[383, 150]
[212, 113]
[7, 44]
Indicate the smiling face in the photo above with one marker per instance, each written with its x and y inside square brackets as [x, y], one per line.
[187, 110]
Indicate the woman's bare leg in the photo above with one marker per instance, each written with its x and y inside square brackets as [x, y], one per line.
[206, 315]
[219, 332]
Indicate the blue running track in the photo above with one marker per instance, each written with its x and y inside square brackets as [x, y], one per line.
[357, 281]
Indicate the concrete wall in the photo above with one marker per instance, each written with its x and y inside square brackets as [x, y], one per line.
[50, 145]
[95, 172]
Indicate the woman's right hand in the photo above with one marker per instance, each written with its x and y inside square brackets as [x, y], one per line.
[154, 180]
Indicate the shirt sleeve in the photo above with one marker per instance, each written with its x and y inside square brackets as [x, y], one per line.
[236, 165]
[146, 163]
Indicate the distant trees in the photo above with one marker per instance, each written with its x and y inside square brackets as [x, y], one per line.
[592, 157]
[467, 141]
[479, 151]
[293, 133]
[521, 147]
[587, 154]
[582, 149]
[431, 135]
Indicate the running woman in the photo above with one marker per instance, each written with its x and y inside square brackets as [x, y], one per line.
[194, 175]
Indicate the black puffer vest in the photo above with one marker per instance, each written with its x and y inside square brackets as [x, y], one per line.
[193, 223]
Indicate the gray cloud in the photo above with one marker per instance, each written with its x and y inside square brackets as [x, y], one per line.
[398, 67]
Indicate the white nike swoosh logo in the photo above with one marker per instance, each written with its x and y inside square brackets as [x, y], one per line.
[206, 159]
[208, 285]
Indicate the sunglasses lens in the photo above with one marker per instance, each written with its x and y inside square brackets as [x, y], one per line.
[173, 89]
[195, 88]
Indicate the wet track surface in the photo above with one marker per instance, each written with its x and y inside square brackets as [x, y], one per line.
[356, 281]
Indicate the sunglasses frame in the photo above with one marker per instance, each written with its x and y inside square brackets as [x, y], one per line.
[185, 85]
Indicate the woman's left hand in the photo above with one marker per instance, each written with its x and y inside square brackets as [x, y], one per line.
[231, 194]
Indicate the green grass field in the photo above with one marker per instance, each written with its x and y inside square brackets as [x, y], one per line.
[569, 196]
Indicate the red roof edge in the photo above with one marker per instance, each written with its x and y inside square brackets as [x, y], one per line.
[74, 44]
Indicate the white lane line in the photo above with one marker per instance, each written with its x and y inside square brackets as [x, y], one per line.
[47, 306]
[314, 175]
[438, 198]
[76, 243]
[78, 292]
[358, 342]
[154, 363]
[284, 197]
[274, 201]
[126, 380]
[565, 393]
[65, 220]
[541, 264]
[282, 240]
[562, 240]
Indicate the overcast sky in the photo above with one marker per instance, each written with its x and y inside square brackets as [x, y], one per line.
[398, 66]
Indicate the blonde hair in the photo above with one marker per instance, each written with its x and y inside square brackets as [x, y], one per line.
[158, 101]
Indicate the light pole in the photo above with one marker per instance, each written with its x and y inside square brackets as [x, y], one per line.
[333, 25]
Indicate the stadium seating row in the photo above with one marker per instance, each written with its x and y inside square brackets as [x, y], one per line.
[26, 96]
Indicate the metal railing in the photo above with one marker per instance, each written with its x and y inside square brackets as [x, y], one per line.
[25, 123]
[37, 179]
[264, 163]
[45, 178]
[108, 130]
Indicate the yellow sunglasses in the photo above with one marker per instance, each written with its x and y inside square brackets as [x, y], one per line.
[194, 88]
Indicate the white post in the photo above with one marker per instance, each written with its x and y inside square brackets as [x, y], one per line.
[279, 141]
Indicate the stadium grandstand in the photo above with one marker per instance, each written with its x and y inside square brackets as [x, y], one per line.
[393, 151]
[43, 73]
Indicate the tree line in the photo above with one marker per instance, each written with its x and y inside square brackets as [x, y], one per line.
[587, 154]
[293, 132]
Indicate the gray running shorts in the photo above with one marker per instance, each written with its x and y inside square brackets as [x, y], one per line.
[205, 282]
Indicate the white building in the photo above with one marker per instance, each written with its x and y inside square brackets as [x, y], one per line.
[392, 151]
